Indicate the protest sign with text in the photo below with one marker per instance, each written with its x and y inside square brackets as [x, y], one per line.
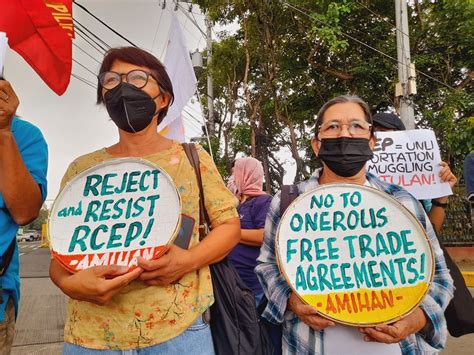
[355, 254]
[114, 212]
[409, 159]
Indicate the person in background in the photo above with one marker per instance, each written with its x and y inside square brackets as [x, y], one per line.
[23, 168]
[344, 142]
[246, 184]
[435, 208]
[160, 306]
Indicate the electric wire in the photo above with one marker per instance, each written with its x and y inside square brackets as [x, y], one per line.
[191, 33]
[82, 7]
[83, 66]
[195, 21]
[192, 20]
[189, 122]
[85, 52]
[92, 44]
[85, 81]
[382, 18]
[84, 34]
[391, 24]
[194, 110]
[368, 46]
[199, 123]
[92, 33]
[156, 31]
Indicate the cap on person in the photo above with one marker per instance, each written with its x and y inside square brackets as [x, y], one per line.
[388, 120]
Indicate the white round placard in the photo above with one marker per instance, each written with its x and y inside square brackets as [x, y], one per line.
[355, 254]
[114, 212]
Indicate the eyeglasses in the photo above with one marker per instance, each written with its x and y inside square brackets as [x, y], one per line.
[356, 128]
[111, 79]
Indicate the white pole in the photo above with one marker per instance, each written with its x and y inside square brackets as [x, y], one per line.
[210, 86]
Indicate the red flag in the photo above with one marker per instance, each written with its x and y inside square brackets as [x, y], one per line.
[41, 31]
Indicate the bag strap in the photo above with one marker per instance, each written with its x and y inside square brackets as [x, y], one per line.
[288, 194]
[193, 157]
[7, 257]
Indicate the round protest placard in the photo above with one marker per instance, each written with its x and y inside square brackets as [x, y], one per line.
[355, 254]
[114, 212]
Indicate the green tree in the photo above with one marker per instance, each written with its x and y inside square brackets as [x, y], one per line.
[42, 218]
[288, 57]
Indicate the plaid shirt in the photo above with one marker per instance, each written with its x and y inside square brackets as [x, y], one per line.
[299, 338]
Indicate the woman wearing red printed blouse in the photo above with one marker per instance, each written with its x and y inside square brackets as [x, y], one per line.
[246, 184]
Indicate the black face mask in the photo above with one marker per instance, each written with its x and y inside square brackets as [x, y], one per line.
[345, 156]
[131, 108]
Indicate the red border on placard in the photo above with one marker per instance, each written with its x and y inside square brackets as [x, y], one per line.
[65, 260]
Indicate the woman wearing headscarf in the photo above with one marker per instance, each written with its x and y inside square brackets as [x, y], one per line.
[246, 183]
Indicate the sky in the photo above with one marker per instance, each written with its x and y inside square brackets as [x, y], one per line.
[73, 124]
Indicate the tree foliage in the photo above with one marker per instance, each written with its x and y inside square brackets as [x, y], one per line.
[287, 58]
[42, 218]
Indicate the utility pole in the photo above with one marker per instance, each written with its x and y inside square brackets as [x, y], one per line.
[406, 87]
[210, 86]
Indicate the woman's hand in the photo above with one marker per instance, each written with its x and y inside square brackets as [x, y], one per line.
[177, 262]
[396, 332]
[8, 104]
[97, 284]
[168, 269]
[446, 175]
[308, 314]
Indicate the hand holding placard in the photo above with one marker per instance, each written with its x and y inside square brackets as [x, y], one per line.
[396, 332]
[166, 270]
[308, 314]
[97, 284]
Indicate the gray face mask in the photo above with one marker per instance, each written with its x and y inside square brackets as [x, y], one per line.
[131, 109]
[345, 156]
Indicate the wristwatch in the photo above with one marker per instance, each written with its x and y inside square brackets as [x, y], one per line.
[439, 204]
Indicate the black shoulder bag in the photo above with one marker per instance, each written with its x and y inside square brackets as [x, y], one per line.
[460, 311]
[235, 324]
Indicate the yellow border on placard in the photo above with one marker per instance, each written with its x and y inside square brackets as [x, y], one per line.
[383, 194]
[116, 161]
[468, 278]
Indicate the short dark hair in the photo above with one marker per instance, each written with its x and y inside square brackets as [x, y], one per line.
[342, 100]
[137, 56]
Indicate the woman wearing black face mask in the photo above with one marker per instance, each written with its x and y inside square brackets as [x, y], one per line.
[158, 306]
[344, 142]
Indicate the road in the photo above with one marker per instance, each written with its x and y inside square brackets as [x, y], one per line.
[40, 323]
[39, 328]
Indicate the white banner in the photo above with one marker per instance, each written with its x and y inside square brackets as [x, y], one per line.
[180, 70]
[3, 50]
[410, 159]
